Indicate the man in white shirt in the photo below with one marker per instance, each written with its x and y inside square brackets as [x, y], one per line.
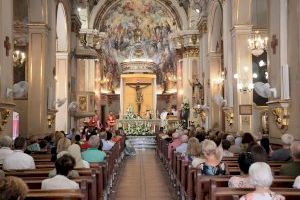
[106, 144]
[5, 147]
[63, 166]
[19, 160]
[183, 147]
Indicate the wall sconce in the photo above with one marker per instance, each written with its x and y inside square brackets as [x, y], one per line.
[244, 84]
[4, 117]
[219, 80]
[19, 57]
[51, 120]
[229, 118]
[281, 116]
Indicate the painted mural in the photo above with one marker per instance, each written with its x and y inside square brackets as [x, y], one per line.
[156, 24]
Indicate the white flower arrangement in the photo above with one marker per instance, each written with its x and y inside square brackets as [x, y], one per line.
[135, 127]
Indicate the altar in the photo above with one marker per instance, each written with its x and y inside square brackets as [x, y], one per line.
[138, 92]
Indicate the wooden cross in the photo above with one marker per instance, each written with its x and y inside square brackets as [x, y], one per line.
[7, 45]
[274, 43]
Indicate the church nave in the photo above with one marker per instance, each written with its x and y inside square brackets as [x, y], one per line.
[143, 178]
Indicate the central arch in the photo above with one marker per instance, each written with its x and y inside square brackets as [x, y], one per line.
[171, 6]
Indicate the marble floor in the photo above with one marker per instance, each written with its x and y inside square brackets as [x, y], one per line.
[143, 178]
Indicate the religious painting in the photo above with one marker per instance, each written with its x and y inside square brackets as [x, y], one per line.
[245, 109]
[20, 69]
[155, 22]
[82, 103]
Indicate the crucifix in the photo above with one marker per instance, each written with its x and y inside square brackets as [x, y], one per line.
[274, 43]
[7, 45]
[139, 95]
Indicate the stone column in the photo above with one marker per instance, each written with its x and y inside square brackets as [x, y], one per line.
[215, 89]
[62, 90]
[242, 65]
[241, 62]
[39, 70]
[190, 63]
[6, 67]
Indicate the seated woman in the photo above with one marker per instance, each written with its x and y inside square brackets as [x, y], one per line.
[13, 188]
[193, 150]
[74, 150]
[212, 164]
[33, 144]
[245, 160]
[261, 177]
[63, 166]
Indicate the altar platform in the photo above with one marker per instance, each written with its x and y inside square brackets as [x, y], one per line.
[142, 142]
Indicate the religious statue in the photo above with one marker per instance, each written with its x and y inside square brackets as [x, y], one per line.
[139, 95]
[109, 83]
[111, 121]
[197, 89]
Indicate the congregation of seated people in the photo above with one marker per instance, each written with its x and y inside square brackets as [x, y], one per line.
[214, 153]
[63, 152]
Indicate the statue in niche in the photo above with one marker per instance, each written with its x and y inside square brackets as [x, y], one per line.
[197, 90]
[109, 83]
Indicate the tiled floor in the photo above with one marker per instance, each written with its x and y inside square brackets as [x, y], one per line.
[143, 179]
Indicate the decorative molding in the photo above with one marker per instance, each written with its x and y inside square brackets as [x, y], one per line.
[75, 24]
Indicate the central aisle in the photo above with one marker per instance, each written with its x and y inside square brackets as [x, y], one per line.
[143, 178]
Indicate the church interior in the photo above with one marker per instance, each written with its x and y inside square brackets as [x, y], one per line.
[149, 99]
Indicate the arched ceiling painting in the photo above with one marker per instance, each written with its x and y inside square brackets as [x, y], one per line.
[156, 22]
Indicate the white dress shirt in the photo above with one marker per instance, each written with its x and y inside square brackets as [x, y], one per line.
[18, 160]
[4, 151]
[181, 148]
[106, 145]
[59, 182]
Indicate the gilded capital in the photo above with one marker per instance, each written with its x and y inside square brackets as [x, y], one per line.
[190, 52]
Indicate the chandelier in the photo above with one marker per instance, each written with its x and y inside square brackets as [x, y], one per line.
[19, 57]
[257, 44]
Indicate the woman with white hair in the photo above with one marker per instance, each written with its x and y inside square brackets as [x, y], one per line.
[212, 164]
[261, 177]
[284, 154]
[93, 154]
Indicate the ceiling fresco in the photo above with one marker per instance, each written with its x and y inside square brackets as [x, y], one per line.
[156, 23]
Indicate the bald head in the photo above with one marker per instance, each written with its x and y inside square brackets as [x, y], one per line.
[295, 149]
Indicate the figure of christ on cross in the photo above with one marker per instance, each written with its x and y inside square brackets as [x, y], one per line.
[139, 95]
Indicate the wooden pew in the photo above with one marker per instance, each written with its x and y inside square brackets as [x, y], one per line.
[96, 172]
[55, 195]
[87, 185]
[222, 193]
[205, 184]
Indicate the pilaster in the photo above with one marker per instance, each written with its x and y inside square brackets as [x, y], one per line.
[6, 67]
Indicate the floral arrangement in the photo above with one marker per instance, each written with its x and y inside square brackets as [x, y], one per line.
[185, 105]
[135, 127]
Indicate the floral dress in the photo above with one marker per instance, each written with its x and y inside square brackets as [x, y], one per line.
[262, 196]
[208, 170]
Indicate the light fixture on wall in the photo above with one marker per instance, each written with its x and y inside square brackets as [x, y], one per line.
[257, 44]
[244, 84]
[219, 80]
[19, 57]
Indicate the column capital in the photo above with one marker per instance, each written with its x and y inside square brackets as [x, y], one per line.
[202, 25]
[190, 52]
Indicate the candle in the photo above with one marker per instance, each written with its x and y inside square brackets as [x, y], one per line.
[285, 82]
